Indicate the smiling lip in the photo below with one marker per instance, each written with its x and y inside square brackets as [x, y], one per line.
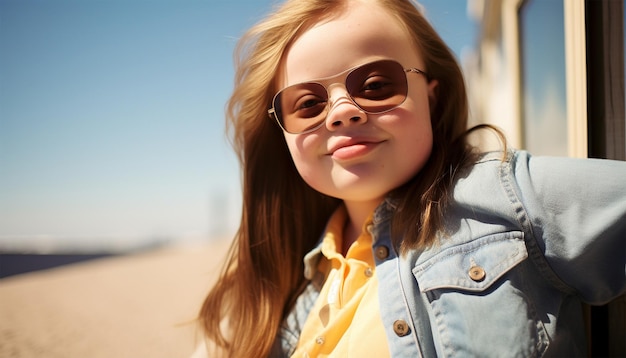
[351, 149]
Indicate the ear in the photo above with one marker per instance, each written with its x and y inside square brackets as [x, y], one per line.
[432, 94]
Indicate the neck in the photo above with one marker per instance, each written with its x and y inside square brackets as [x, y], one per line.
[358, 212]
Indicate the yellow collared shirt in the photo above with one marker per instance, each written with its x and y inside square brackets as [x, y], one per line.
[345, 321]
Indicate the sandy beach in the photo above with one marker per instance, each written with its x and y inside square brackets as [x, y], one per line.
[141, 305]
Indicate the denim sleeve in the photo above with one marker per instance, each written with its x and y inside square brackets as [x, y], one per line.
[287, 340]
[577, 213]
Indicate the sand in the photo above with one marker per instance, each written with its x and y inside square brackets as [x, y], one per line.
[141, 305]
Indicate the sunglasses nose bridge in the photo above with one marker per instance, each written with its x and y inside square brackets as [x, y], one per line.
[338, 94]
[342, 110]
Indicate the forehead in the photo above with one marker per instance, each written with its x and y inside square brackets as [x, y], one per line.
[363, 33]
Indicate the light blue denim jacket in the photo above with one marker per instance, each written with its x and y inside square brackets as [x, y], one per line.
[525, 241]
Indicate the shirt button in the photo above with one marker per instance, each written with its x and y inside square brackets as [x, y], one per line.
[368, 272]
[477, 273]
[401, 328]
[382, 252]
[320, 340]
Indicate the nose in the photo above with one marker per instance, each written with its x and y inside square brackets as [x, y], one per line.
[343, 111]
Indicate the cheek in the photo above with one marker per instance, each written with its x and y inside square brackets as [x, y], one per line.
[419, 143]
[415, 136]
[303, 155]
[422, 124]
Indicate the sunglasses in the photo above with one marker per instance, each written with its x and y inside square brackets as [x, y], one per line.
[375, 87]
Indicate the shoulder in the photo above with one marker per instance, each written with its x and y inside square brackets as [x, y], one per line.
[524, 174]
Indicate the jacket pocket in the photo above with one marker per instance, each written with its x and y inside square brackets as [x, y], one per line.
[473, 266]
[477, 294]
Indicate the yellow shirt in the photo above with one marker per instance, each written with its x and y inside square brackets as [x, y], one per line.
[345, 321]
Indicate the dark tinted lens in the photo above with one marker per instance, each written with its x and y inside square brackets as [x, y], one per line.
[378, 86]
[301, 107]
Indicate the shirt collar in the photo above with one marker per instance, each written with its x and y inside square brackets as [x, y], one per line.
[329, 244]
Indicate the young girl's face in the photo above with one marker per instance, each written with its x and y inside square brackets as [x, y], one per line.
[355, 156]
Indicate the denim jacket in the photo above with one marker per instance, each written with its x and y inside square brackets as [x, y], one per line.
[525, 241]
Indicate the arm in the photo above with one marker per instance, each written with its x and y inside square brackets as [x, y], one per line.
[577, 209]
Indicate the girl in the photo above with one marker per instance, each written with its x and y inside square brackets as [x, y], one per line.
[349, 118]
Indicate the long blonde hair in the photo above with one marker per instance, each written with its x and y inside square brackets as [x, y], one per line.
[282, 216]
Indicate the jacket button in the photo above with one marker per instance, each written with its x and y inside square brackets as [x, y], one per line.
[382, 252]
[401, 328]
[368, 272]
[477, 273]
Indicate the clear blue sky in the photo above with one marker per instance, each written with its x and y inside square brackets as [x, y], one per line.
[111, 116]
